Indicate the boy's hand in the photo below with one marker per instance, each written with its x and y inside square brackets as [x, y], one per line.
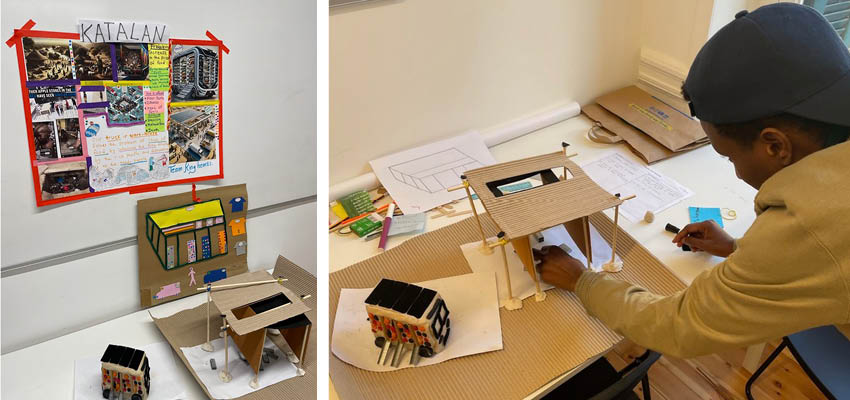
[706, 236]
[558, 268]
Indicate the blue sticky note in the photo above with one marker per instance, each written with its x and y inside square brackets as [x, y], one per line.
[699, 214]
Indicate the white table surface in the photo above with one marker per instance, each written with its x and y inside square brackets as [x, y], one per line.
[46, 370]
[710, 176]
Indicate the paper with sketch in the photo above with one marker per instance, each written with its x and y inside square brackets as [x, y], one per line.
[417, 178]
[276, 370]
[164, 375]
[618, 174]
[473, 310]
[522, 285]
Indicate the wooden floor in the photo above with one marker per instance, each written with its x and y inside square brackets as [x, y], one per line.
[717, 377]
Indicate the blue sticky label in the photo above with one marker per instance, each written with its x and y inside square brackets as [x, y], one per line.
[699, 214]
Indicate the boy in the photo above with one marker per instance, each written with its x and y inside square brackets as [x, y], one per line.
[772, 91]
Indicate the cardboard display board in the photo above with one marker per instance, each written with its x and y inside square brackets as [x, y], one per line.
[184, 244]
[188, 328]
[106, 114]
[541, 341]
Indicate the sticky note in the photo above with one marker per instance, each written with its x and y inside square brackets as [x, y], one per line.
[699, 214]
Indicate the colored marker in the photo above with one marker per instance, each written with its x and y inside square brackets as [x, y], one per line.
[387, 221]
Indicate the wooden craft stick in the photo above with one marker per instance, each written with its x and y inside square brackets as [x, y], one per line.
[233, 285]
[477, 218]
[588, 253]
[614, 239]
[507, 271]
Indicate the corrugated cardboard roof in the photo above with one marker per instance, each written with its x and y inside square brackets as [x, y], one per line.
[529, 211]
[228, 299]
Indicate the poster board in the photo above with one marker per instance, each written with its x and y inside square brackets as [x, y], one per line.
[112, 117]
[187, 241]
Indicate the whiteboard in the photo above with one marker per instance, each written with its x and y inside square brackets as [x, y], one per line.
[269, 123]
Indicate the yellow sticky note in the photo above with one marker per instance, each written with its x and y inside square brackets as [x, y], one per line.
[158, 55]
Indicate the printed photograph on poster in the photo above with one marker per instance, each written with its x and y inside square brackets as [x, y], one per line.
[194, 73]
[70, 140]
[93, 61]
[192, 134]
[44, 136]
[63, 179]
[132, 61]
[47, 59]
[126, 105]
[52, 102]
[92, 95]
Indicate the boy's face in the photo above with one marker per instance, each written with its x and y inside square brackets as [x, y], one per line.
[754, 162]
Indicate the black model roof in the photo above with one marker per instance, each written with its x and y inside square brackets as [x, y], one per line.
[123, 356]
[402, 297]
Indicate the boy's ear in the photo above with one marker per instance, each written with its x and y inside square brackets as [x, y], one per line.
[777, 145]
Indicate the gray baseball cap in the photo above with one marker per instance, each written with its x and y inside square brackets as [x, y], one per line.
[780, 58]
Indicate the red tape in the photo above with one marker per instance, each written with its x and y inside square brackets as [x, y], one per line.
[20, 32]
[220, 43]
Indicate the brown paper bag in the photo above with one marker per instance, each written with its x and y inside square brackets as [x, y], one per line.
[639, 143]
[665, 124]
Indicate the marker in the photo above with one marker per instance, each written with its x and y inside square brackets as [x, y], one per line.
[673, 229]
[387, 221]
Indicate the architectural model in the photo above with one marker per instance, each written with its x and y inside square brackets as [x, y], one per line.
[252, 305]
[407, 317]
[125, 371]
[566, 200]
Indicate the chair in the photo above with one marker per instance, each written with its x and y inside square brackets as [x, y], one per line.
[824, 354]
[600, 381]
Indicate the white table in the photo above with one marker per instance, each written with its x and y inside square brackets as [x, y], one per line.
[46, 370]
[710, 176]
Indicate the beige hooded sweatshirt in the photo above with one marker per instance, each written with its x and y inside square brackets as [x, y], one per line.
[789, 272]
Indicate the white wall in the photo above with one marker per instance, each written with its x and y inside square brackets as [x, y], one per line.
[408, 72]
[269, 114]
[269, 102]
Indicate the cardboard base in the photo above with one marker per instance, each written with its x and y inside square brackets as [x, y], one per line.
[541, 341]
[188, 328]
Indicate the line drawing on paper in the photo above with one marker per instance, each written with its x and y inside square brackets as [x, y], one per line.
[434, 172]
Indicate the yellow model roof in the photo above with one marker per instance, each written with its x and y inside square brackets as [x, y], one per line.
[190, 213]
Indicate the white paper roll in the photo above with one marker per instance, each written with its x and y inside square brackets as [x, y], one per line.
[492, 137]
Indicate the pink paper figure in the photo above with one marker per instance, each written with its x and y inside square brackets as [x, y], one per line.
[191, 276]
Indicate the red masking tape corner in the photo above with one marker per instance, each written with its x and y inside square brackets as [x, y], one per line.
[220, 43]
[18, 32]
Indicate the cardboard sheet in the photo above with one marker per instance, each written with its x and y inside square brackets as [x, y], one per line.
[159, 285]
[275, 371]
[188, 328]
[417, 178]
[474, 313]
[541, 341]
[663, 123]
[522, 285]
[164, 384]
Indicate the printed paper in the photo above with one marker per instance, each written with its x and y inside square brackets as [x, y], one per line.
[618, 174]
